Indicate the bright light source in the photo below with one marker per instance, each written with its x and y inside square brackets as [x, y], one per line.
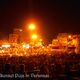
[31, 26]
[34, 36]
[6, 46]
[26, 46]
[69, 36]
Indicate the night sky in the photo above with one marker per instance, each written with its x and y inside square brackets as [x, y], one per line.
[50, 16]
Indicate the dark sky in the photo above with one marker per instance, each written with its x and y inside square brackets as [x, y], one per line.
[51, 16]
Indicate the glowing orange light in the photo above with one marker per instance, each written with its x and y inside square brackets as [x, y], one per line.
[69, 36]
[20, 30]
[34, 36]
[74, 42]
[31, 26]
[40, 39]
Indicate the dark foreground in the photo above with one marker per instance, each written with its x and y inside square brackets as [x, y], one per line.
[41, 67]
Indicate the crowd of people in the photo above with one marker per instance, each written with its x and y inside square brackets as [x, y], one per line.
[55, 66]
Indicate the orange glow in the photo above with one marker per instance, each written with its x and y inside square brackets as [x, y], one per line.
[31, 26]
[34, 36]
[69, 36]
[20, 30]
[23, 46]
[74, 42]
[40, 39]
